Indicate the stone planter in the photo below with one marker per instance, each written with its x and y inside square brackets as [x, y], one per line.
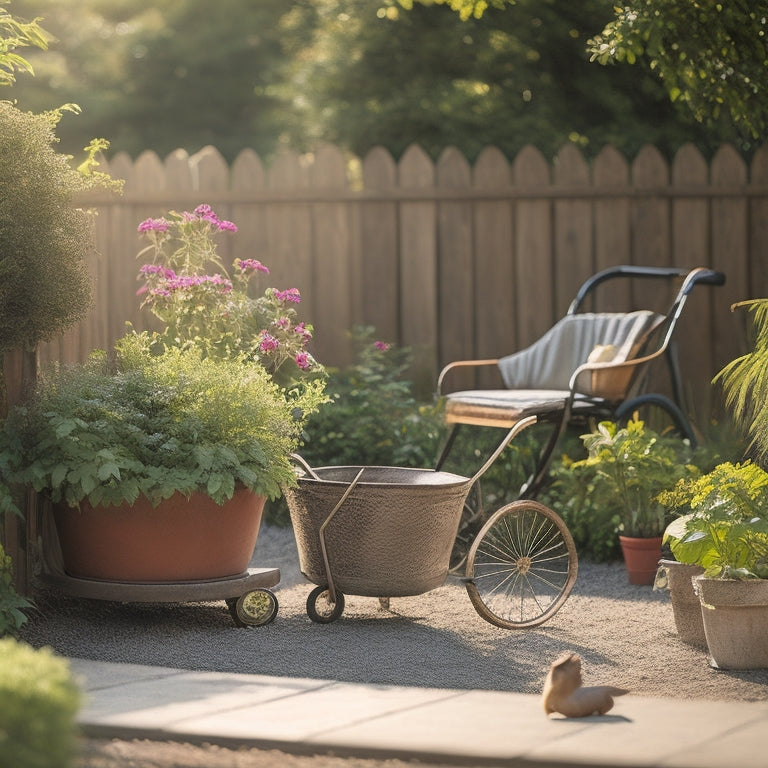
[735, 616]
[686, 606]
[182, 539]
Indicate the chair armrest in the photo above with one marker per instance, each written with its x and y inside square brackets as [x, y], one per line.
[460, 364]
[610, 380]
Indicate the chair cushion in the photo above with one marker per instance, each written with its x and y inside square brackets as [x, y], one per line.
[550, 361]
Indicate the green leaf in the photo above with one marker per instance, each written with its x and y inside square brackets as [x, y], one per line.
[107, 471]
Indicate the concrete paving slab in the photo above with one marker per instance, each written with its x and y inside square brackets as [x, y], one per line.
[647, 731]
[428, 724]
[315, 716]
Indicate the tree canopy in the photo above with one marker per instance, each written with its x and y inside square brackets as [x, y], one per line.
[713, 56]
[357, 73]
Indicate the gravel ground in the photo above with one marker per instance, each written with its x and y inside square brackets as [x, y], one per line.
[625, 635]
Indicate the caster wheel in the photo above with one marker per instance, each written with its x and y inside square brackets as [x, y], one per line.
[320, 608]
[253, 609]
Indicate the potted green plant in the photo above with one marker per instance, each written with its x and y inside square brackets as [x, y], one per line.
[119, 444]
[632, 464]
[724, 532]
[196, 420]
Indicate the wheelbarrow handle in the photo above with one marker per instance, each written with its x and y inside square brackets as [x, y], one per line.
[303, 464]
[516, 429]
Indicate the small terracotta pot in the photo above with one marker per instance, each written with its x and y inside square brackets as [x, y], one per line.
[641, 557]
[182, 539]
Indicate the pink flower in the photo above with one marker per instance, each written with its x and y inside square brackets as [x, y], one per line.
[303, 361]
[154, 225]
[181, 282]
[204, 212]
[382, 346]
[292, 294]
[268, 342]
[158, 269]
[303, 331]
[254, 264]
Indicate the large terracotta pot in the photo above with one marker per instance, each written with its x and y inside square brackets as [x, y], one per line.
[182, 539]
[735, 615]
[641, 558]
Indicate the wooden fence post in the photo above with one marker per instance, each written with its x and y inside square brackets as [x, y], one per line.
[19, 370]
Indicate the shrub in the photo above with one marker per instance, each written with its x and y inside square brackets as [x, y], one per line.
[45, 239]
[39, 701]
[152, 426]
[373, 417]
[12, 605]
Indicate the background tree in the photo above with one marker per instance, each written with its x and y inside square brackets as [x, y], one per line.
[379, 75]
[711, 56]
[353, 72]
[166, 75]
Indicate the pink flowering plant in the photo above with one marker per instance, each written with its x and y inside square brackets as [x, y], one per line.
[203, 305]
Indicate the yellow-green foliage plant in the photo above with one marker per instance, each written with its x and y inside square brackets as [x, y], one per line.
[745, 382]
[39, 701]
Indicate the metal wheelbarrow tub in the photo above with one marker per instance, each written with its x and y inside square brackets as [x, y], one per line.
[386, 531]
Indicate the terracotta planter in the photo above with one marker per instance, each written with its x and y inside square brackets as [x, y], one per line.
[180, 540]
[686, 607]
[735, 615]
[641, 557]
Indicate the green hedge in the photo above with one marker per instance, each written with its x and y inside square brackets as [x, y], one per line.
[39, 701]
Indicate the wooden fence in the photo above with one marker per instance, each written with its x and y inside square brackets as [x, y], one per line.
[452, 259]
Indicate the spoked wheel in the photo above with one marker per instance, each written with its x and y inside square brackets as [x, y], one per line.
[253, 609]
[522, 566]
[320, 608]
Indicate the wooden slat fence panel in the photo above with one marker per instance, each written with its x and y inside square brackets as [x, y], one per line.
[573, 228]
[730, 253]
[380, 287]
[289, 230]
[418, 264]
[534, 273]
[332, 250]
[758, 231]
[613, 213]
[455, 273]
[451, 259]
[690, 244]
[494, 274]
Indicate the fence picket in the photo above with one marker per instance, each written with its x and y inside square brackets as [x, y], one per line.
[495, 286]
[534, 303]
[573, 228]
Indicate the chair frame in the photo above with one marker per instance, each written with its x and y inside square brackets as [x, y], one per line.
[560, 412]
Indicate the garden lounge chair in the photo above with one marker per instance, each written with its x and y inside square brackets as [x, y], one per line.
[587, 364]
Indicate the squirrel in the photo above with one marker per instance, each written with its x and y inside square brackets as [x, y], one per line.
[563, 692]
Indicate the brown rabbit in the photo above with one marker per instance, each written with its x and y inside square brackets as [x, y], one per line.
[563, 692]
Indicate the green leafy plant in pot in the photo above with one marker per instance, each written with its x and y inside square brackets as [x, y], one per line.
[724, 531]
[632, 465]
[113, 441]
